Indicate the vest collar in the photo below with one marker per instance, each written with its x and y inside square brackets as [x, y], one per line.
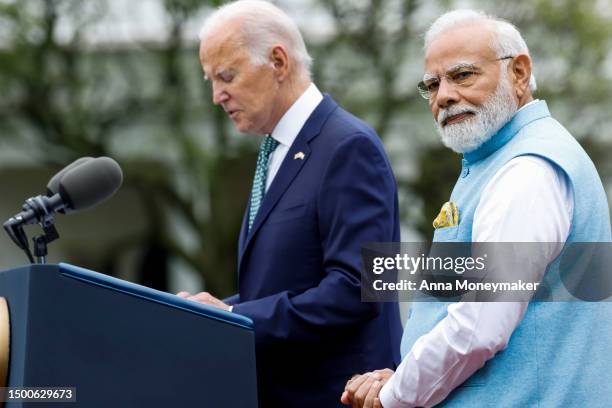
[522, 118]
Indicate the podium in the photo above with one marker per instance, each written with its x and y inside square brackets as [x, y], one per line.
[118, 344]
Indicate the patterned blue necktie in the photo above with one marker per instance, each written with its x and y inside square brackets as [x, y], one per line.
[261, 172]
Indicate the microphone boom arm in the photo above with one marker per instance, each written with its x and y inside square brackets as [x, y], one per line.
[41, 210]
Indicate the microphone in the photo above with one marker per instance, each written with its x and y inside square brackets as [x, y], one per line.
[80, 185]
[53, 184]
[89, 183]
[36, 207]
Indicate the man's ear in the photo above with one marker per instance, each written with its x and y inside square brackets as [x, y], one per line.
[521, 73]
[279, 60]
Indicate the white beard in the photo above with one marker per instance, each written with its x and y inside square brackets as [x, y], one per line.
[487, 119]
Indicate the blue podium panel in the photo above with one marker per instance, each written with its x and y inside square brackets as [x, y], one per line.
[124, 345]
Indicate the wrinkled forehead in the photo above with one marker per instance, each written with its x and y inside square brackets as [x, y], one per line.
[221, 48]
[220, 42]
[465, 44]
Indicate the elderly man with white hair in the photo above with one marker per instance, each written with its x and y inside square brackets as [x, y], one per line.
[524, 178]
[323, 186]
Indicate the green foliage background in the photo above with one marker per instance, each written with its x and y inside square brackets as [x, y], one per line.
[144, 103]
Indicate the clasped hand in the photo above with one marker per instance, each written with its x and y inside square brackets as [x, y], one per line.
[362, 391]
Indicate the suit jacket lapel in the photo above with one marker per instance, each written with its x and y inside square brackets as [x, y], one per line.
[289, 168]
[243, 231]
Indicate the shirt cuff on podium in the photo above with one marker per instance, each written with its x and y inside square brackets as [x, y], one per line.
[230, 308]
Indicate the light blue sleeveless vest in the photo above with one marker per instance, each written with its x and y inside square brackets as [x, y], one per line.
[561, 353]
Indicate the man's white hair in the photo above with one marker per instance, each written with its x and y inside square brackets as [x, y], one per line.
[507, 40]
[262, 26]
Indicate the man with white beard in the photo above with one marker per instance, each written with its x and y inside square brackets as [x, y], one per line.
[524, 178]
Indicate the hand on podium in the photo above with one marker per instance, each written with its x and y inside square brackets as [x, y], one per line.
[206, 299]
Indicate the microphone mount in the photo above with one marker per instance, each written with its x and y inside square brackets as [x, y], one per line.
[39, 210]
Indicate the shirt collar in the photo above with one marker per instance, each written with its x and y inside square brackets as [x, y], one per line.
[530, 112]
[527, 104]
[294, 119]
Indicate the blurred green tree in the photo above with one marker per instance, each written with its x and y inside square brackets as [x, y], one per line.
[144, 102]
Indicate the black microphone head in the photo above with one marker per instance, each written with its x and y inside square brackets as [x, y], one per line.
[53, 184]
[90, 183]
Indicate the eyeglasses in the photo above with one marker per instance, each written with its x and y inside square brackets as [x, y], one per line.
[463, 75]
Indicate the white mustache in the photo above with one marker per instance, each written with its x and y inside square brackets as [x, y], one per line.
[453, 111]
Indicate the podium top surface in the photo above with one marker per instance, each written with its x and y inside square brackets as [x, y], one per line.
[143, 292]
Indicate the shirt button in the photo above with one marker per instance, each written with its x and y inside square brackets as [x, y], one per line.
[465, 172]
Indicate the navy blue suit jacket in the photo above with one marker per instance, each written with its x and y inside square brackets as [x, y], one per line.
[299, 266]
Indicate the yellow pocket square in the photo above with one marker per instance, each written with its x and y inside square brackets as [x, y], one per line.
[448, 217]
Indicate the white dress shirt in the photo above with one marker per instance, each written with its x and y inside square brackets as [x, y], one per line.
[289, 126]
[528, 200]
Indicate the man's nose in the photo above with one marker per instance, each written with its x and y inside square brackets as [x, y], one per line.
[447, 94]
[219, 93]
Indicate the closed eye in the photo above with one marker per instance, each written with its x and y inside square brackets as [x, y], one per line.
[227, 77]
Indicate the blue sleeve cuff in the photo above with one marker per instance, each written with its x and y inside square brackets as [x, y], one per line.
[232, 300]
